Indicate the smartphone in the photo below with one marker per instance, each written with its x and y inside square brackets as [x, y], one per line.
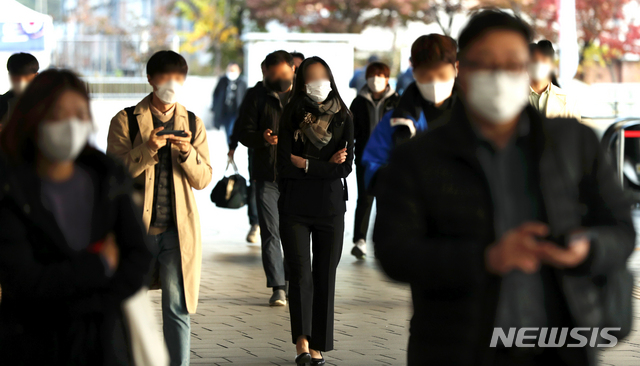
[346, 143]
[178, 133]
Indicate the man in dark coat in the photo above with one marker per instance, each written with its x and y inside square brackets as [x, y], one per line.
[259, 120]
[227, 98]
[22, 67]
[373, 101]
[504, 219]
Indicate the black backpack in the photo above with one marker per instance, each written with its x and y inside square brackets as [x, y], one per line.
[134, 128]
[231, 191]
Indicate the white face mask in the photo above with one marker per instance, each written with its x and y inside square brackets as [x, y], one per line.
[377, 83]
[319, 90]
[437, 91]
[19, 87]
[233, 75]
[168, 92]
[63, 140]
[539, 71]
[498, 96]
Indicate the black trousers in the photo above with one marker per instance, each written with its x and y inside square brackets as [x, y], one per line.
[312, 284]
[363, 207]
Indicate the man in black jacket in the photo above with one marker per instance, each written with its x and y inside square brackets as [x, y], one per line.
[503, 219]
[373, 101]
[22, 67]
[259, 119]
[227, 97]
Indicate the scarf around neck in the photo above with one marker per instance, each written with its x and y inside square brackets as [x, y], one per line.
[316, 121]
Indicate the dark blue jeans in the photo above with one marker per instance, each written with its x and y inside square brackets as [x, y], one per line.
[175, 317]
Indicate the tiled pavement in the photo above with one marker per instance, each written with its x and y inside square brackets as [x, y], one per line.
[234, 324]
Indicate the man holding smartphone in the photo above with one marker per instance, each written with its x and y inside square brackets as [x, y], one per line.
[165, 148]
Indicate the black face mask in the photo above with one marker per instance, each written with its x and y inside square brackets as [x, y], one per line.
[279, 85]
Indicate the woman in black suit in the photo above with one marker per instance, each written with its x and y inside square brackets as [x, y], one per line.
[315, 154]
[72, 246]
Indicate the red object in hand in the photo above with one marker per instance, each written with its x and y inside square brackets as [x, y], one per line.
[96, 247]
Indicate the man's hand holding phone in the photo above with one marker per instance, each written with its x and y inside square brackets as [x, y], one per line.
[270, 136]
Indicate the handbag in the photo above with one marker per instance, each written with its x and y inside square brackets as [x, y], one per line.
[231, 191]
[147, 346]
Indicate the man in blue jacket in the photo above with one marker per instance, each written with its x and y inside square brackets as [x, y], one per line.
[429, 99]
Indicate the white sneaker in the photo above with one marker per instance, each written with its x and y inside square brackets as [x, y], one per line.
[359, 249]
[254, 234]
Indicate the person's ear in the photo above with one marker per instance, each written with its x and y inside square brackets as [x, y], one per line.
[149, 81]
[456, 67]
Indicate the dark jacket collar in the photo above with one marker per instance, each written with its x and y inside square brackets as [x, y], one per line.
[22, 188]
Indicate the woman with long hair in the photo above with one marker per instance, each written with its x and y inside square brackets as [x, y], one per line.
[545, 94]
[71, 246]
[315, 155]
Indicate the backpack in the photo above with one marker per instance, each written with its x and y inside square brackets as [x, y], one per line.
[134, 128]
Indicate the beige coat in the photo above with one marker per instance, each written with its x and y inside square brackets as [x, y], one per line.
[560, 104]
[194, 172]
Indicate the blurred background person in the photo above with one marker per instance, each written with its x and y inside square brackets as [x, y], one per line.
[259, 119]
[22, 67]
[315, 154]
[298, 57]
[359, 79]
[167, 167]
[426, 104]
[227, 97]
[373, 101]
[405, 79]
[487, 227]
[545, 94]
[252, 205]
[72, 247]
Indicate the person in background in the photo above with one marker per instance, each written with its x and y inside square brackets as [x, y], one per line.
[167, 167]
[72, 247]
[227, 97]
[23, 68]
[297, 58]
[503, 218]
[426, 103]
[545, 94]
[252, 205]
[315, 154]
[259, 119]
[359, 80]
[373, 101]
[405, 79]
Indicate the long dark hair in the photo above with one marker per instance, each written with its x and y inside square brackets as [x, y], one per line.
[18, 137]
[300, 90]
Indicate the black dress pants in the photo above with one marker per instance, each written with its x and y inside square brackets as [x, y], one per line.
[363, 207]
[312, 284]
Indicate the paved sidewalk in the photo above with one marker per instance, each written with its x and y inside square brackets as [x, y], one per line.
[234, 324]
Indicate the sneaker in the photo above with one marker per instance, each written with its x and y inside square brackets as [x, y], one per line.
[254, 234]
[359, 249]
[279, 298]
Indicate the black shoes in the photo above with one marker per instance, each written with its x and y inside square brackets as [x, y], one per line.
[303, 359]
[317, 361]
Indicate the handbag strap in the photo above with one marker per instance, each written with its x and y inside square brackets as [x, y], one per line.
[232, 163]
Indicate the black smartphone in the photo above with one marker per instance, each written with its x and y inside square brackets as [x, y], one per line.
[178, 133]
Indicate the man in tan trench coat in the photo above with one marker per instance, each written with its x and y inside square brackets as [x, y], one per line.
[168, 166]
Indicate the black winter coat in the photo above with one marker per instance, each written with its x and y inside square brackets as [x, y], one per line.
[435, 220]
[260, 111]
[319, 192]
[220, 94]
[58, 306]
[367, 114]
